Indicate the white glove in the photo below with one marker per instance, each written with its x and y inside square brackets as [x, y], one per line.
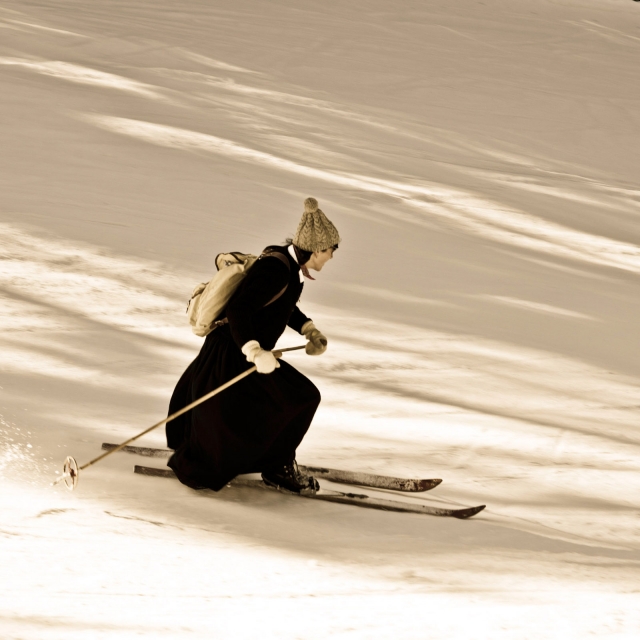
[265, 361]
[317, 343]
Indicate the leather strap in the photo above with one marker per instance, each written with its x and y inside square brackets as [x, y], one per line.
[276, 254]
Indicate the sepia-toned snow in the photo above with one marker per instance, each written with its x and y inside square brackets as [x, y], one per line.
[481, 162]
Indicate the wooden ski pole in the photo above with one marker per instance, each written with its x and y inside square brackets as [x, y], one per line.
[71, 471]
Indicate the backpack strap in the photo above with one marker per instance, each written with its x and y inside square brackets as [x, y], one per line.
[276, 254]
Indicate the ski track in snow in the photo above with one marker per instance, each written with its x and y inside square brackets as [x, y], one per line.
[482, 312]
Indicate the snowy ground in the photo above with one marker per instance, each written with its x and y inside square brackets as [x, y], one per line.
[480, 160]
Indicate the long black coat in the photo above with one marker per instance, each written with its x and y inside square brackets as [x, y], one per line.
[256, 424]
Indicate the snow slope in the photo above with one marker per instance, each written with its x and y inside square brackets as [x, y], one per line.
[480, 161]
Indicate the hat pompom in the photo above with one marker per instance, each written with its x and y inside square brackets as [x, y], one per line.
[310, 205]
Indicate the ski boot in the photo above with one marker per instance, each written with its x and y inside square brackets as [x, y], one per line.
[289, 478]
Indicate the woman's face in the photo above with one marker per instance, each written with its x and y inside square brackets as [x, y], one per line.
[319, 259]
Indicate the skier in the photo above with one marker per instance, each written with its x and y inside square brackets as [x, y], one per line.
[256, 424]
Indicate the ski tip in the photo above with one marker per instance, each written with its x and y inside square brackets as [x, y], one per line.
[463, 514]
[427, 485]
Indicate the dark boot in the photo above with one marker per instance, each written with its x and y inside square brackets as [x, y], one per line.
[289, 477]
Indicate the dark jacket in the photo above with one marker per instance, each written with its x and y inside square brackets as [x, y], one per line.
[248, 316]
[256, 424]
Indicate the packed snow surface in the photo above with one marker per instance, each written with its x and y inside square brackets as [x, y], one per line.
[480, 160]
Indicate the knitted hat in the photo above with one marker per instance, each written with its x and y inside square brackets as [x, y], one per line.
[315, 231]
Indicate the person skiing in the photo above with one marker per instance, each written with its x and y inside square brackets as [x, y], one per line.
[256, 425]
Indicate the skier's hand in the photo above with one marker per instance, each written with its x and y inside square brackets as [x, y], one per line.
[265, 361]
[317, 342]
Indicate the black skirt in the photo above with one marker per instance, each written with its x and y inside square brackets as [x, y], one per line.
[253, 426]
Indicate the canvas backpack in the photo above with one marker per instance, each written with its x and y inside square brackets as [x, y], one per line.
[209, 299]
